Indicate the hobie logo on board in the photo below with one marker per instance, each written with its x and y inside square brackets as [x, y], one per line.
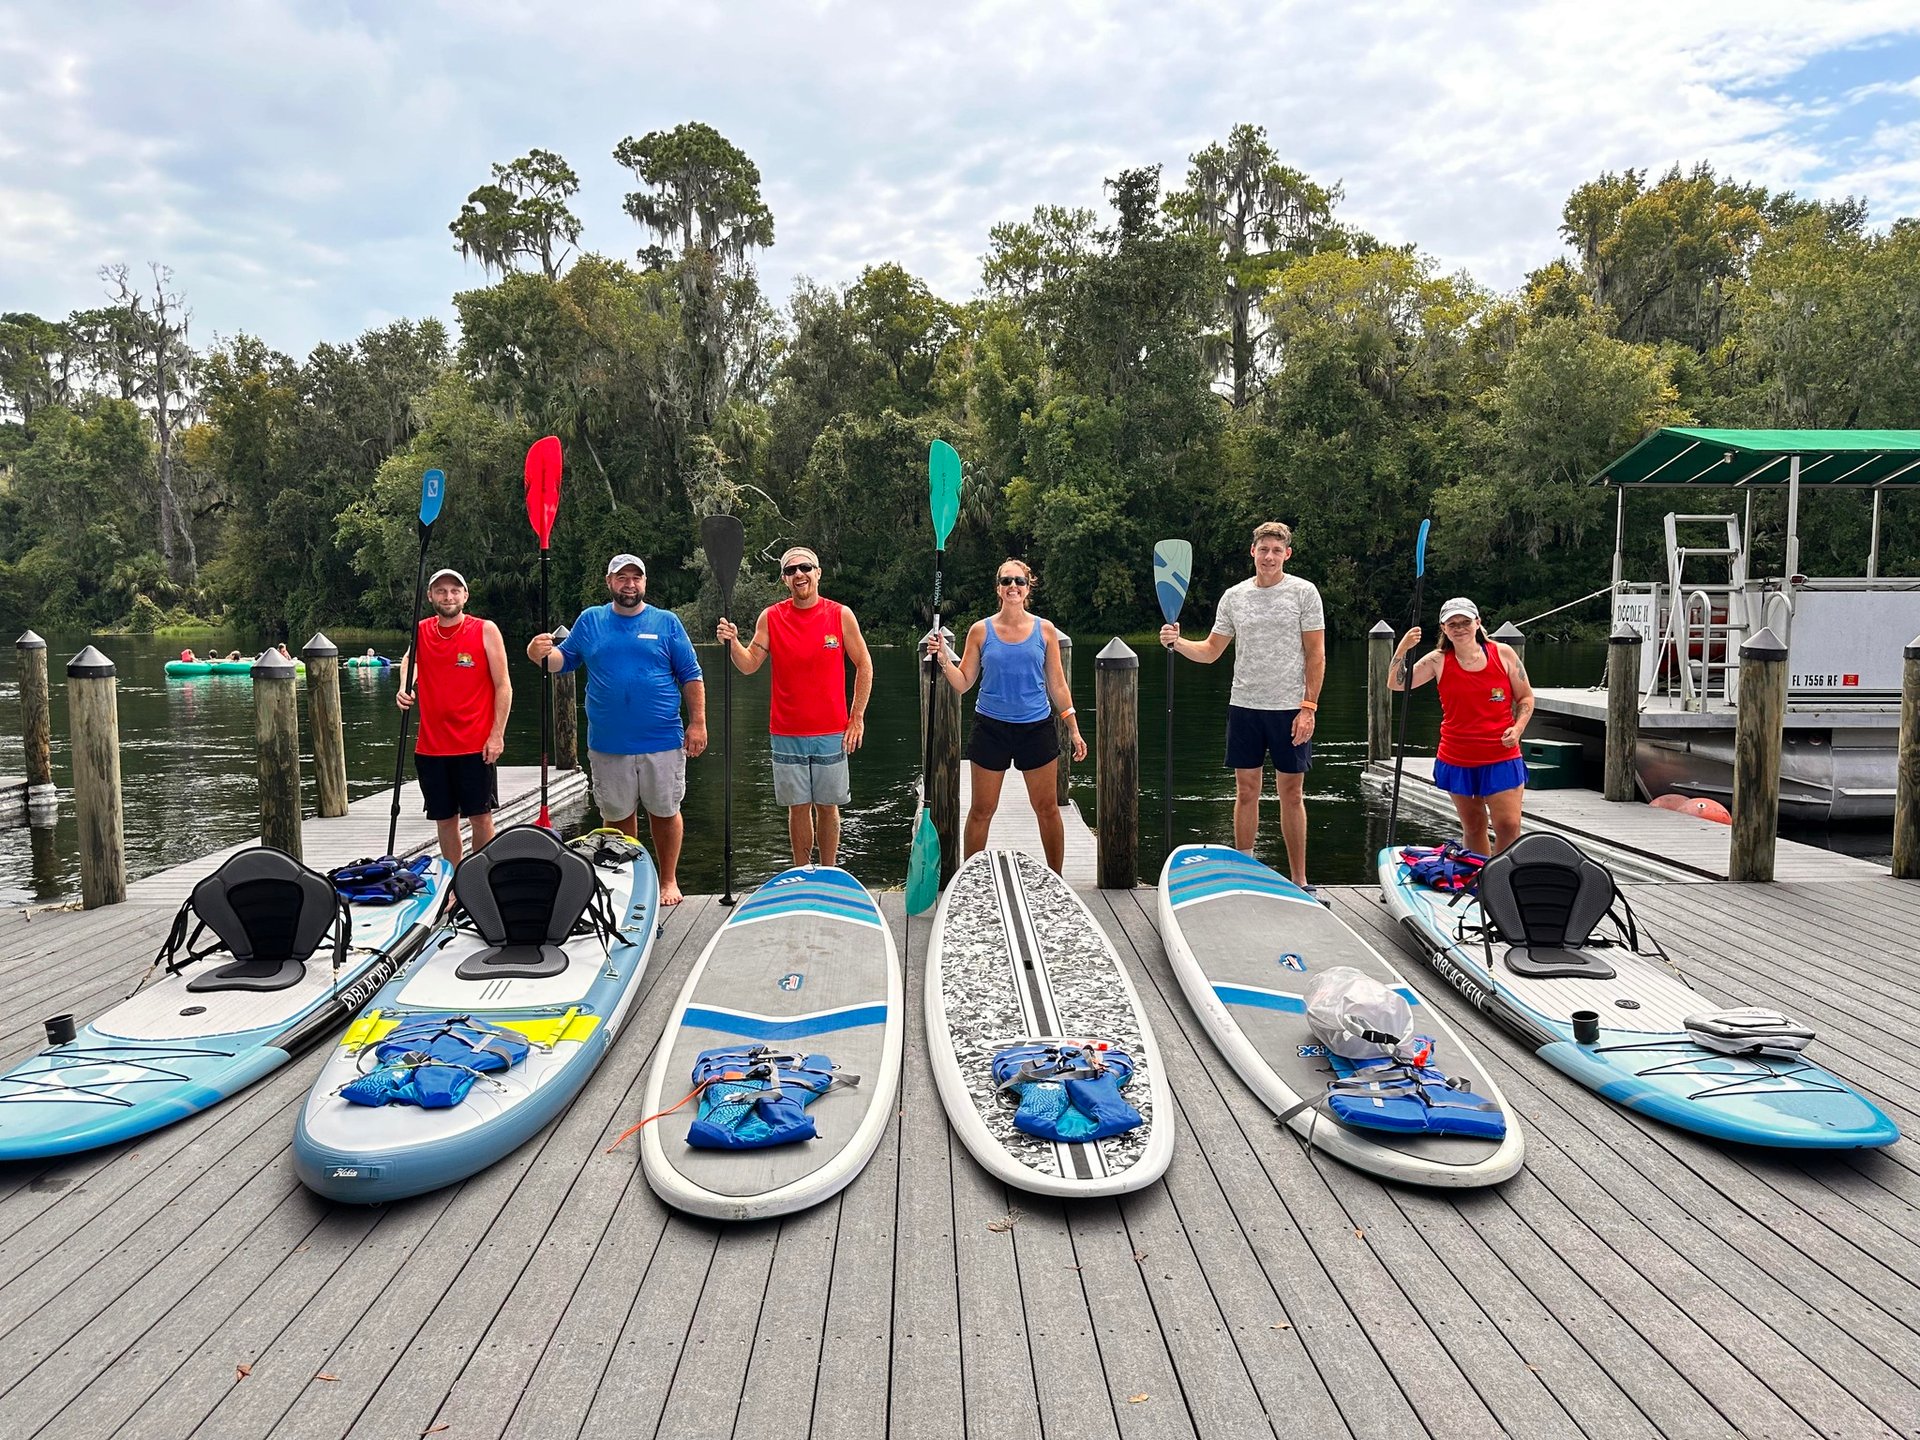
[792, 980]
[1291, 961]
[1313, 1052]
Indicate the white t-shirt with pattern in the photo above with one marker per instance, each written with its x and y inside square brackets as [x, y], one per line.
[1269, 661]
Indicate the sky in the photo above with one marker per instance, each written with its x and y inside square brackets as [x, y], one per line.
[296, 164]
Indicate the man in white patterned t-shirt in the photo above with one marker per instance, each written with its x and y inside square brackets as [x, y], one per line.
[1281, 629]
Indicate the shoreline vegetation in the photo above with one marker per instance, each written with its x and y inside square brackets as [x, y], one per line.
[1206, 351]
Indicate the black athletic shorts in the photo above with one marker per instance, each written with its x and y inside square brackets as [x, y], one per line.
[456, 785]
[996, 744]
[1252, 735]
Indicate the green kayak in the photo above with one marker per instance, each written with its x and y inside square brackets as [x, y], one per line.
[187, 669]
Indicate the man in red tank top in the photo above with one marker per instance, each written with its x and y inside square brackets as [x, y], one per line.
[811, 640]
[465, 695]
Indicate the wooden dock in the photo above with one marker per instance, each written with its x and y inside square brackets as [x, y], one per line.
[1016, 827]
[1630, 1281]
[1634, 839]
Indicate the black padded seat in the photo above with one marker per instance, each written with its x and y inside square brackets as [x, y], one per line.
[271, 912]
[525, 892]
[1544, 898]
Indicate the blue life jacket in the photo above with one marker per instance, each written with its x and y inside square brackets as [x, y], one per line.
[1449, 866]
[385, 881]
[752, 1096]
[1069, 1090]
[432, 1061]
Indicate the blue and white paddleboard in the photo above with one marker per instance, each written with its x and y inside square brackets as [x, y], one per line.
[1244, 943]
[164, 1052]
[804, 966]
[363, 1154]
[1644, 1059]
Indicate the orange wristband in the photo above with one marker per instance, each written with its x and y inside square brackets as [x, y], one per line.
[1309, 705]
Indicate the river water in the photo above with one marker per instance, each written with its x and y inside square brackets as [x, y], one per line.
[188, 763]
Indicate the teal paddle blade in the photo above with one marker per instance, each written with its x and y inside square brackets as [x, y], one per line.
[943, 489]
[1172, 569]
[923, 866]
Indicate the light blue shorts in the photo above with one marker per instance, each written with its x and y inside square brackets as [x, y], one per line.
[811, 770]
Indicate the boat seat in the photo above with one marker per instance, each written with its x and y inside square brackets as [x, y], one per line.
[1544, 898]
[270, 911]
[524, 892]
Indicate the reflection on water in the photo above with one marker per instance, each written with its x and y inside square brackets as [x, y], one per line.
[188, 765]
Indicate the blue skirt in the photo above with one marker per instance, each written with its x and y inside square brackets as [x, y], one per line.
[1480, 781]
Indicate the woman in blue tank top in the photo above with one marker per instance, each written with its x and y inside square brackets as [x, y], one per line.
[1015, 655]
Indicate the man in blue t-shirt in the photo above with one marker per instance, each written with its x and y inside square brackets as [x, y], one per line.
[640, 666]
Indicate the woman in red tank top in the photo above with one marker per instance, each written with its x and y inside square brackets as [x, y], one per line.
[1485, 703]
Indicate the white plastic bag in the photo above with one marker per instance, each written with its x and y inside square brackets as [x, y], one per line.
[1355, 1015]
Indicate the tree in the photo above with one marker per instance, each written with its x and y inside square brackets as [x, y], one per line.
[522, 213]
[146, 348]
[905, 323]
[1261, 214]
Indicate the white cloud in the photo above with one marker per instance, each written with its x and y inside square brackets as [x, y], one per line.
[297, 163]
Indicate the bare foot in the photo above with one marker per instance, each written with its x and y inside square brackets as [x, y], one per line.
[670, 892]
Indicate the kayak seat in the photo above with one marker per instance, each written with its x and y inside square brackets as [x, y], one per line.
[524, 893]
[1544, 898]
[270, 911]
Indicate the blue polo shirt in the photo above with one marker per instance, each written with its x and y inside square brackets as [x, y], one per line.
[636, 665]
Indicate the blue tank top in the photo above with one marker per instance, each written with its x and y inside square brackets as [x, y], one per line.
[1013, 678]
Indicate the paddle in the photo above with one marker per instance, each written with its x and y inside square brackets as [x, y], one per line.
[725, 540]
[433, 486]
[943, 499]
[543, 503]
[1406, 679]
[1172, 569]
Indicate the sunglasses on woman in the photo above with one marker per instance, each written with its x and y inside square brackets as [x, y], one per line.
[1013, 580]
[800, 569]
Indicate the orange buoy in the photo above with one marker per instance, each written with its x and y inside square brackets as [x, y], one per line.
[1671, 802]
[1707, 810]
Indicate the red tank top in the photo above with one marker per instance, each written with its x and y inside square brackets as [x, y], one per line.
[809, 669]
[1475, 706]
[456, 687]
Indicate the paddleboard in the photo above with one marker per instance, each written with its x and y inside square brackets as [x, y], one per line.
[1017, 956]
[1643, 1057]
[362, 1154]
[805, 966]
[1244, 942]
[165, 1053]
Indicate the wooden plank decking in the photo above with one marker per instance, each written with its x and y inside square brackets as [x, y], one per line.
[1630, 1281]
[1016, 827]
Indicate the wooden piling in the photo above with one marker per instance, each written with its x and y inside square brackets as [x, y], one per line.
[1116, 688]
[943, 780]
[93, 713]
[1759, 727]
[566, 716]
[1061, 729]
[276, 729]
[1906, 803]
[323, 712]
[36, 723]
[1623, 713]
[1379, 698]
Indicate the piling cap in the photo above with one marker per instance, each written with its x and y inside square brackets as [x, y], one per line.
[319, 648]
[1116, 654]
[1763, 646]
[29, 641]
[90, 664]
[272, 665]
[560, 633]
[1381, 631]
[1510, 634]
[1625, 634]
[1912, 652]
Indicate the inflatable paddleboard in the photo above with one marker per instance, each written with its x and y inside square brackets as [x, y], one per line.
[168, 1051]
[565, 998]
[1017, 966]
[1641, 1052]
[1244, 943]
[189, 669]
[802, 983]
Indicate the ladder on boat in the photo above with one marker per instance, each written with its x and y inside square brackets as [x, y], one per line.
[1706, 620]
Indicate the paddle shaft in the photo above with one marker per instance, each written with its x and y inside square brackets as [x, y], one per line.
[933, 674]
[1166, 793]
[410, 676]
[726, 753]
[1406, 706]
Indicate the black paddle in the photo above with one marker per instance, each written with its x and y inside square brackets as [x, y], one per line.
[1172, 570]
[725, 541]
[1406, 680]
[433, 486]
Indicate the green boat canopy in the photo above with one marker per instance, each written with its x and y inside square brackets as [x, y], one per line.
[1681, 456]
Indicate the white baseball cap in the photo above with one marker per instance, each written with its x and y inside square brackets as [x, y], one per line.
[623, 560]
[440, 575]
[1459, 605]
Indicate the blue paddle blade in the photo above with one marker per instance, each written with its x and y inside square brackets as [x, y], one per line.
[1420, 550]
[923, 866]
[1172, 569]
[943, 489]
[433, 487]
